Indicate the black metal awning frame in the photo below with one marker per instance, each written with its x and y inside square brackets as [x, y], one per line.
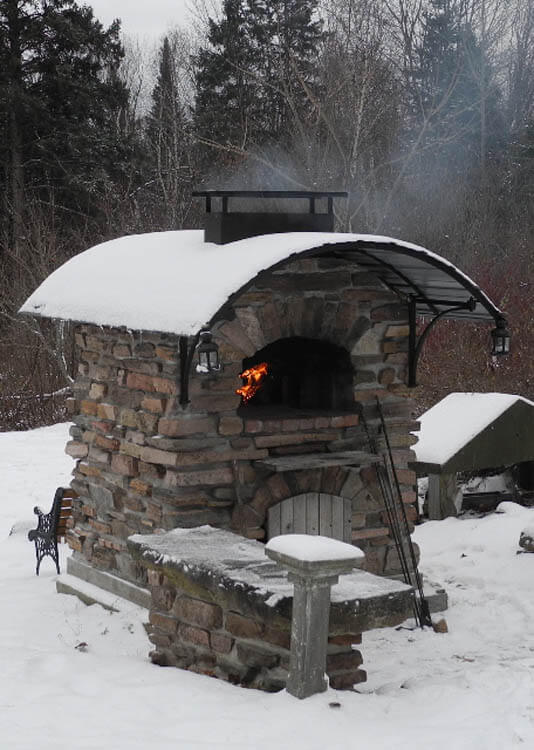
[430, 286]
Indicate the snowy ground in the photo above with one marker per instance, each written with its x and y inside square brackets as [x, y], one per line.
[470, 689]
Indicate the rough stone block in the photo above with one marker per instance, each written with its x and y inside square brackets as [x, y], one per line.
[88, 470]
[156, 456]
[233, 332]
[243, 627]
[349, 660]
[397, 332]
[155, 577]
[369, 343]
[194, 478]
[179, 427]
[144, 349]
[230, 426]
[194, 635]
[125, 465]
[367, 534]
[386, 376]
[154, 404]
[99, 527]
[272, 441]
[526, 541]
[281, 638]
[348, 639]
[393, 311]
[121, 351]
[76, 449]
[216, 402]
[142, 488]
[102, 497]
[89, 408]
[107, 411]
[143, 366]
[98, 455]
[165, 385]
[147, 422]
[348, 420]
[255, 656]
[198, 612]
[168, 353]
[138, 381]
[346, 680]
[163, 622]
[221, 643]
[278, 487]
[107, 443]
[97, 390]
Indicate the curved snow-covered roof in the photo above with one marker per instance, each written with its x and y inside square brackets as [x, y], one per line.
[461, 430]
[175, 282]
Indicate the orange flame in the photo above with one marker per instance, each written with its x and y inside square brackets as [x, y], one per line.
[254, 377]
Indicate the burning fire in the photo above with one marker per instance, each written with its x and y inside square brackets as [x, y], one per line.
[254, 378]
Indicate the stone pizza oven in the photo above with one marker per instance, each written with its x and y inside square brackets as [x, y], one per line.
[304, 329]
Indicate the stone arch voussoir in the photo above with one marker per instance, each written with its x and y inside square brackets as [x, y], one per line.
[333, 480]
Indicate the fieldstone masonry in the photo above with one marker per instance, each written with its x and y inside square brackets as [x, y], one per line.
[146, 464]
[220, 608]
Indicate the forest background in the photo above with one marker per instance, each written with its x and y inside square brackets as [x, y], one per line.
[423, 110]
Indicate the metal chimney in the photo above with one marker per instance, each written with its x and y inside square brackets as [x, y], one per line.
[223, 225]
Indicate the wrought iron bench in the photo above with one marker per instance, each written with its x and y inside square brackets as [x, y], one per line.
[52, 526]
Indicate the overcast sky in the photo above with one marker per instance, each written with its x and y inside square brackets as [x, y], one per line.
[142, 18]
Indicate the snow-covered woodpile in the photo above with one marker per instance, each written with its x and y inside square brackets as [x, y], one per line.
[145, 462]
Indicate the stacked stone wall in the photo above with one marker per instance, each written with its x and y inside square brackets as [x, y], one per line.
[145, 463]
[238, 644]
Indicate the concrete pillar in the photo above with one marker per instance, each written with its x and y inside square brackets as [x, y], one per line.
[314, 564]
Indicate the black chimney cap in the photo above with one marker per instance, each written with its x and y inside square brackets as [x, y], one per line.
[225, 226]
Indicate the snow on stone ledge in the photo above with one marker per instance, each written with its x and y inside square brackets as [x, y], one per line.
[314, 548]
[225, 557]
[455, 420]
[172, 282]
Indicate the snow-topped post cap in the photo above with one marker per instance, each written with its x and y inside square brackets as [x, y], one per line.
[314, 564]
[314, 556]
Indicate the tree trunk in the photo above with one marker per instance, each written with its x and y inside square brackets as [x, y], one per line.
[16, 176]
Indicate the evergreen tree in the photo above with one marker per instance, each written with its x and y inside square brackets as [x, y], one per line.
[225, 106]
[253, 81]
[453, 85]
[60, 138]
[169, 145]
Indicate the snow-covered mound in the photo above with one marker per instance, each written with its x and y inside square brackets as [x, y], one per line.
[455, 420]
[79, 677]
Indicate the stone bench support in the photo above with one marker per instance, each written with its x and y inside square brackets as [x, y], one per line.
[314, 566]
[220, 607]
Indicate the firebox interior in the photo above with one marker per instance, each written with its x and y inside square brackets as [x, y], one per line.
[304, 375]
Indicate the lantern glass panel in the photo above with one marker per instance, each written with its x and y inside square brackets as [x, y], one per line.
[501, 340]
[213, 359]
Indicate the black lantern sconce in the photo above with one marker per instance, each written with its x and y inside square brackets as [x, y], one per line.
[500, 337]
[208, 354]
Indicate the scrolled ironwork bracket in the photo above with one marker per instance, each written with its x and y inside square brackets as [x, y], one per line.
[415, 343]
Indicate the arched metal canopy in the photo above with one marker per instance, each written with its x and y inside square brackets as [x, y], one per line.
[429, 282]
[430, 285]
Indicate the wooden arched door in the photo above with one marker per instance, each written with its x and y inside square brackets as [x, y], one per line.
[312, 513]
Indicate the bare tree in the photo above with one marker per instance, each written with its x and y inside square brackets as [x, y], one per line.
[520, 70]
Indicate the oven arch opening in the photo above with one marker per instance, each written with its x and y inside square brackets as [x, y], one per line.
[297, 374]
